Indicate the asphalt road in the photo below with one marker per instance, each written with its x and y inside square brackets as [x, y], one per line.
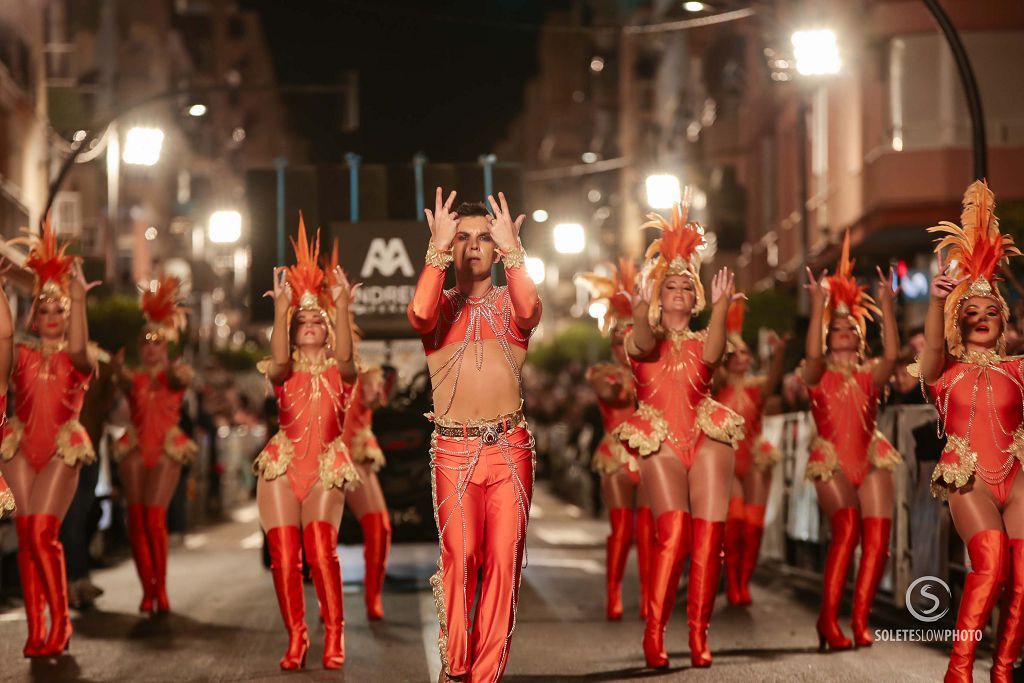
[225, 625]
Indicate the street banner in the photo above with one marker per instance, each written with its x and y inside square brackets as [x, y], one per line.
[386, 257]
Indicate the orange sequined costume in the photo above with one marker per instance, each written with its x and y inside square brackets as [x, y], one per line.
[483, 469]
[48, 395]
[747, 401]
[155, 410]
[980, 399]
[844, 404]
[674, 404]
[309, 448]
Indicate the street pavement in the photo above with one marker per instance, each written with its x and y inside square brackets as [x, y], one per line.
[225, 625]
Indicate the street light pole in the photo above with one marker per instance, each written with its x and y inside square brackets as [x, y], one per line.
[971, 92]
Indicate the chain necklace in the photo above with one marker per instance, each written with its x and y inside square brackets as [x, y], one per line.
[980, 365]
[492, 309]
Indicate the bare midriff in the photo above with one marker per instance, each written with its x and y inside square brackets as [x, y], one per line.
[480, 385]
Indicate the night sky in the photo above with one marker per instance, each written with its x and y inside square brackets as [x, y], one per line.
[444, 77]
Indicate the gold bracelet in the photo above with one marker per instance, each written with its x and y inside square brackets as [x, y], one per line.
[514, 258]
[437, 258]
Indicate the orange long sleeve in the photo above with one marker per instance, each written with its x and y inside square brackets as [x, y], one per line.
[425, 307]
[522, 293]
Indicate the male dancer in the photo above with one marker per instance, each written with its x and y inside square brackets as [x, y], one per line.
[475, 337]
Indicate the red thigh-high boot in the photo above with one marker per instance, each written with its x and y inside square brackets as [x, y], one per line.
[845, 534]
[705, 569]
[874, 554]
[285, 545]
[735, 532]
[1011, 617]
[376, 543]
[141, 553]
[753, 530]
[156, 528]
[644, 550]
[616, 553]
[673, 544]
[989, 551]
[321, 542]
[31, 589]
[49, 555]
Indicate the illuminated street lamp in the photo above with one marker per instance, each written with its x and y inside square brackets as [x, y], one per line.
[597, 310]
[816, 52]
[225, 227]
[142, 146]
[535, 269]
[540, 215]
[197, 109]
[662, 191]
[569, 238]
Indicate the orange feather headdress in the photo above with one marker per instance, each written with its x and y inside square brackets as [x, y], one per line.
[613, 290]
[979, 249]
[306, 278]
[48, 259]
[846, 297]
[160, 307]
[734, 323]
[674, 253]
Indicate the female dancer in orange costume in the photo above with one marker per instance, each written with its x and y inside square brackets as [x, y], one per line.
[850, 462]
[43, 442]
[619, 469]
[482, 457]
[304, 471]
[153, 450]
[367, 501]
[755, 457]
[684, 439]
[979, 393]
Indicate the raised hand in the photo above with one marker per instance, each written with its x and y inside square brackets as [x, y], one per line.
[944, 284]
[504, 230]
[442, 222]
[643, 292]
[282, 291]
[886, 294]
[342, 292]
[776, 343]
[182, 373]
[817, 288]
[79, 287]
[723, 288]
